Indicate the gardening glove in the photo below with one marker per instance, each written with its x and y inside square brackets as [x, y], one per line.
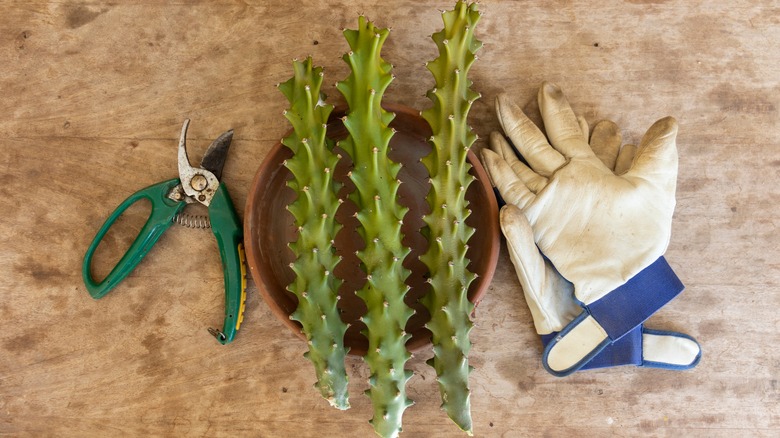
[550, 297]
[604, 232]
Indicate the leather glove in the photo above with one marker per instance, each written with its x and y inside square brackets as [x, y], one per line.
[604, 232]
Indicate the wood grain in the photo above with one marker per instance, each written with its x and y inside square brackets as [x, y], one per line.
[93, 95]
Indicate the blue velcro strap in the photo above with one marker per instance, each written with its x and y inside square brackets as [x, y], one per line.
[628, 306]
[547, 338]
[625, 351]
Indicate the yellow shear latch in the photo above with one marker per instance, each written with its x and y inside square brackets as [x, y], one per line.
[242, 306]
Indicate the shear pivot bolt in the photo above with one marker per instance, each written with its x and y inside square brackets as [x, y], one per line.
[198, 182]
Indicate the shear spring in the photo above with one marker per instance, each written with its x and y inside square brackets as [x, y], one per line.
[192, 221]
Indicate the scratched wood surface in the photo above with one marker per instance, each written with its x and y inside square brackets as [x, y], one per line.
[92, 95]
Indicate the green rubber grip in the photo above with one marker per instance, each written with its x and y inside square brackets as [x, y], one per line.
[161, 217]
[228, 230]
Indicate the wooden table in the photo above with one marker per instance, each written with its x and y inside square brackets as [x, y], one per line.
[93, 96]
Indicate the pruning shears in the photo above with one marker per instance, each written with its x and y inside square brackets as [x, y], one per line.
[168, 198]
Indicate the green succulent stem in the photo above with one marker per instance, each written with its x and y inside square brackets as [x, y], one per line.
[446, 226]
[380, 217]
[314, 210]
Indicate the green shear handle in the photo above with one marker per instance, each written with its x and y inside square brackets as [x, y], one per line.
[229, 233]
[160, 219]
[225, 225]
[195, 184]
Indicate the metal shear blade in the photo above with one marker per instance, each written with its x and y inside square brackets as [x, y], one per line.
[214, 158]
[201, 183]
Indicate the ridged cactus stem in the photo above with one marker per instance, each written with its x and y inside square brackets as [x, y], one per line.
[380, 217]
[446, 259]
[314, 211]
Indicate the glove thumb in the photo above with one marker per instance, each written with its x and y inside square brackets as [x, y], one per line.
[656, 157]
[548, 295]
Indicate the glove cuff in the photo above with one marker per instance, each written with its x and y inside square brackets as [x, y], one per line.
[628, 306]
[644, 347]
[625, 351]
[610, 318]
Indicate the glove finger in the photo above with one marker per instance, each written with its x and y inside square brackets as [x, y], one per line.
[662, 349]
[624, 159]
[548, 295]
[528, 139]
[656, 157]
[504, 179]
[531, 179]
[605, 142]
[584, 127]
[561, 124]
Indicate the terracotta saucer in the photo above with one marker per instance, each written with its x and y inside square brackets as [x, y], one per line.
[268, 228]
